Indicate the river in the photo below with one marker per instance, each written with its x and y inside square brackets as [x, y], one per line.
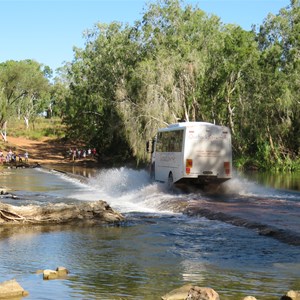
[157, 248]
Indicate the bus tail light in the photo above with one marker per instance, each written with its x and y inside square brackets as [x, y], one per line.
[227, 167]
[188, 166]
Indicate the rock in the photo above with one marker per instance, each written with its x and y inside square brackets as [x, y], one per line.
[249, 298]
[62, 271]
[85, 212]
[202, 293]
[178, 294]
[50, 274]
[291, 295]
[190, 292]
[3, 192]
[59, 273]
[11, 289]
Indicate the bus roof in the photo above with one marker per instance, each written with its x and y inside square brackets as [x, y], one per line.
[188, 124]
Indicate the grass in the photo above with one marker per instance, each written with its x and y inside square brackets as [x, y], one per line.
[40, 128]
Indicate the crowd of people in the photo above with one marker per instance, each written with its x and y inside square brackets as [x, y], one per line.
[74, 154]
[13, 157]
[82, 153]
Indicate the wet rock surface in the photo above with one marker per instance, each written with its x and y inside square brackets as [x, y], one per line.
[190, 292]
[11, 289]
[85, 212]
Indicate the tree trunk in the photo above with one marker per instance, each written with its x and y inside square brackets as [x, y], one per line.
[3, 132]
[230, 115]
[271, 143]
[26, 122]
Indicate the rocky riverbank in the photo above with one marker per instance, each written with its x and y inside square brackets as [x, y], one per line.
[11, 289]
[190, 292]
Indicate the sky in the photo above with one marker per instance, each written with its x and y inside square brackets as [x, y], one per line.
[47, 30]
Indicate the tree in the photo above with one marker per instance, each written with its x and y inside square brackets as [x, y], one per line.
[60, 92]
[23, 90]
[234, 71]
[279, 42]
[177, 63]
[166, 83]
[94, 77]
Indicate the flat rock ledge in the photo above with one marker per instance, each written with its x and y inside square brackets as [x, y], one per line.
[60, 213]
[11, 289]
[190, 292]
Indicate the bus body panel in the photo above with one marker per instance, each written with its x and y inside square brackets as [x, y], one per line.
[168, 162]
[194, 152]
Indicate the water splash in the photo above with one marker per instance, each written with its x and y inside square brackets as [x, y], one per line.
[127, 190]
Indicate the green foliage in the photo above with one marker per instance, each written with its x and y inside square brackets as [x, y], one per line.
[176, 63]
[42, 127]
[24, 91]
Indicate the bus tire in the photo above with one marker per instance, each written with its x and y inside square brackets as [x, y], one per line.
[171, 182]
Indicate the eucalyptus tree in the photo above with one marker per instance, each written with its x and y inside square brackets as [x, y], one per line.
[97, 75]
[184, 37]
[279, 39]
[167, 82]
[24, 89]
[232, 83]
[146, 97]
[60, 91]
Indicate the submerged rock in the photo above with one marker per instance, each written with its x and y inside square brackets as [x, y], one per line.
[178, 294]
[59, 213]
[11, 289]
[202, 293]
[59, 273]
[190, 292]
[291, 295]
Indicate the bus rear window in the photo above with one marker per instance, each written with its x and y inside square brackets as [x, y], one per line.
[169, 141]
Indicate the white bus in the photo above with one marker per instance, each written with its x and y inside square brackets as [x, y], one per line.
[191, 152]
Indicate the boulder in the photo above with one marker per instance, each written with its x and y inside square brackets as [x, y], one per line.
[62, 271]
[190, 292]
[178, 294]
[50, 274]
[59, 273]
[291, 295]
[11, 289]
[249, 298]
[202, 293]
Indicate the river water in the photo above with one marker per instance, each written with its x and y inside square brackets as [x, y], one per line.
[158, 248]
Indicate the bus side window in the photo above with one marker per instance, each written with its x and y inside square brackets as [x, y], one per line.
[169, 141]
[177, 145]
[159, 142]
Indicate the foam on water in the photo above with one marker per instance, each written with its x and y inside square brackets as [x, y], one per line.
[241, 186]
[126, 190]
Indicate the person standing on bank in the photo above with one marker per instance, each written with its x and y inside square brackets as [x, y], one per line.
[26, 157]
